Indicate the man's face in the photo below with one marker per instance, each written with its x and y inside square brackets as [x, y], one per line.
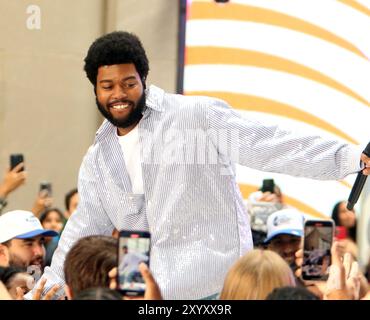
[120, 95]
[73, 203]
[286, 246]
[4, 255]
[347, 218]
[53, 221]
[26, 252]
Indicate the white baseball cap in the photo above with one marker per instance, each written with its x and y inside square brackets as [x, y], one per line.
[21, 224]
[286, 221]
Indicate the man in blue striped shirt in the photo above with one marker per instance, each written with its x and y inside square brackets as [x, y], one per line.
[164, 163]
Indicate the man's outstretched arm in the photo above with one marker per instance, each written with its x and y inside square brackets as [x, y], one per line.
[89, 219]
[271, 148]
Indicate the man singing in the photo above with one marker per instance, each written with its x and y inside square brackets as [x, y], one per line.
[164, 163]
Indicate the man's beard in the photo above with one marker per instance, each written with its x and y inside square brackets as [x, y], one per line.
[133, 117]
[16, 261]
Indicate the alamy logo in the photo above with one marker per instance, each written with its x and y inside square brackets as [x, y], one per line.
[33, 21]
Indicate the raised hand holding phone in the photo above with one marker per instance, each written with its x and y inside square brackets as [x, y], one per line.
[15, 160]
[318, 239]
[133, 249]
[14, 177]
[43, 200]
[268, 185]
[46, 189]
[152, 291]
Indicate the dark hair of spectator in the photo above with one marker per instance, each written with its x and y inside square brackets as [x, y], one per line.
[117, 47]
[259, 239]
[45, 214]
[291, 293]
[98, 294]
[7, 273]
[68, 197]
[88, 263]
[335, 216]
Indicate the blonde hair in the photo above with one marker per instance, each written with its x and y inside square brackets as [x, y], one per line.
[255, 275]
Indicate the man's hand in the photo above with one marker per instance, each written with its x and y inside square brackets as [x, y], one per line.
[12, 180]
[366, 160]
[38, 292]
[319, 288]
[269, 197]
[316, 287]
[339, 247]
[344, 277]
[152, 291]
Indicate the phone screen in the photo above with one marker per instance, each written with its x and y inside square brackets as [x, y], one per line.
[133, 248]
[268, 185]
[16, 159]
[46, 186]
[318, 239]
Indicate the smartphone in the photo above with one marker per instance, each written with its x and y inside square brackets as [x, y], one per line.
[340, 233]
[268, 185]
[133, 248]
[318, 239]
[16, 159]
[46, 186]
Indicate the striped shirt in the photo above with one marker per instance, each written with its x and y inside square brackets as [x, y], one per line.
[192, 205]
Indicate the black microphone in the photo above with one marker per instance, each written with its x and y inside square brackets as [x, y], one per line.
[359, 184]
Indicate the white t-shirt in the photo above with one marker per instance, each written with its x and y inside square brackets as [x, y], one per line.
[131, 152]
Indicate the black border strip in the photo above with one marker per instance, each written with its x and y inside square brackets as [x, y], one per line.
[181, 46]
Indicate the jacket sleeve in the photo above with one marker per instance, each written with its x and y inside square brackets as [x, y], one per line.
[88, 219]
[273, 149]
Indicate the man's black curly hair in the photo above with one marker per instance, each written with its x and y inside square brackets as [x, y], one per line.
[116, 48]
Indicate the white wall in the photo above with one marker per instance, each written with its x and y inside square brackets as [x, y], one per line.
[47, 106]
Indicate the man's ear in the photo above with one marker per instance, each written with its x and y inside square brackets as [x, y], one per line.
[68, 292]
[4, 256]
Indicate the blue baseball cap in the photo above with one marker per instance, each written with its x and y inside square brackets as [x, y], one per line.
[286, 221]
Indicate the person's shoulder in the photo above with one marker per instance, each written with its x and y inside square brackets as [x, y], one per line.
[196, 102]
[91, 153]
[191, 109]
[106, 129]
[205, 101]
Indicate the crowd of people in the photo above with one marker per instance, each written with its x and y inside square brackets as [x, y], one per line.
[164, 163]
[270, 271]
